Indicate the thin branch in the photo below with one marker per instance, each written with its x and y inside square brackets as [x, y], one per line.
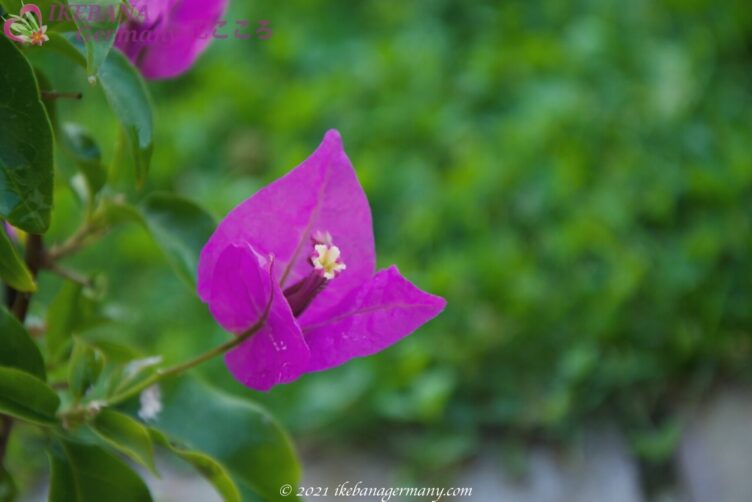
[74, 243]
[34, 259]
[54, 95]
[180, 368]
[6, 425]
[67, 273]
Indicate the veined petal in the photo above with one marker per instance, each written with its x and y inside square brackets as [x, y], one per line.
[383, 311]
[241, 290]
[321, 195]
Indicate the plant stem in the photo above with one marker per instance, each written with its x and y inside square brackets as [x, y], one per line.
[74, 243]
[67, 273]
[182, 367]
[34, 260]
[6, 424]
[53, 95]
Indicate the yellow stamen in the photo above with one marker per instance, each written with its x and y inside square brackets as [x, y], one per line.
[326, 260]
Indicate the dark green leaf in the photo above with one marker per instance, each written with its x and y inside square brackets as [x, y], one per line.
[87, 473]
[49, 105]
[128, 97]
[96, 30]
[61, 318]
[13, 270]
[85, 152]
[127, 435]
[27, 397]
[18, 350]
[8, 489]
[209, 468]
[26, 145]
[62, 480]
[238, 433]
[86, 364]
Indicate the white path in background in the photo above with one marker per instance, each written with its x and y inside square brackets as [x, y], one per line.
[715, 455]
[601, 470]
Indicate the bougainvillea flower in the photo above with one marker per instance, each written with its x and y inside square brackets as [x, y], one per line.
[301, 251]
[167, 36]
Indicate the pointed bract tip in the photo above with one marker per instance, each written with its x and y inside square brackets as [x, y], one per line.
[333, 135]
[438, 303]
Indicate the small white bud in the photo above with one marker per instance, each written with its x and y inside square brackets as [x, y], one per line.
[151, 403]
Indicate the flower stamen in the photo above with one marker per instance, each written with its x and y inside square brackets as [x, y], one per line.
[326, 261]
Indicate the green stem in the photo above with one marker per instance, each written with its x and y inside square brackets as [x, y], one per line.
[162, 374]
[77, 241]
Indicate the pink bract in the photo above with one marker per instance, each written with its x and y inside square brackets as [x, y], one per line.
[262, 251]
[174, 31]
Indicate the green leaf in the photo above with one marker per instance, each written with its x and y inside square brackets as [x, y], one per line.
[13, 270]
[63, 46]
[61, 318]
[97, 34]
[213, 471]
[128, 96]
[87, 473]
[181, 228]
[26, 145]
[8, 490]
[84, 151]
[27, 397]
[132, 373]
[18, 349]
[86, 364]
[127, 435]
[238, 433]
[62, 480]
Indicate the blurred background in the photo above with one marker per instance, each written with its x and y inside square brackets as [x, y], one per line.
[574, 177]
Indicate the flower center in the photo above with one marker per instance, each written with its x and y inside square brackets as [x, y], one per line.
[327, 261]
[326, 264]
[38, 38]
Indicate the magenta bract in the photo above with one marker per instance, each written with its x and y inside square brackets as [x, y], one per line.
[171, 36]
[306, 244]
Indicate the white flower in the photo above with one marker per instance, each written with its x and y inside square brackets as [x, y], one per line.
[151, 403]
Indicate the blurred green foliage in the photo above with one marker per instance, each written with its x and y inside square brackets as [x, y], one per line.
[574, 177]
